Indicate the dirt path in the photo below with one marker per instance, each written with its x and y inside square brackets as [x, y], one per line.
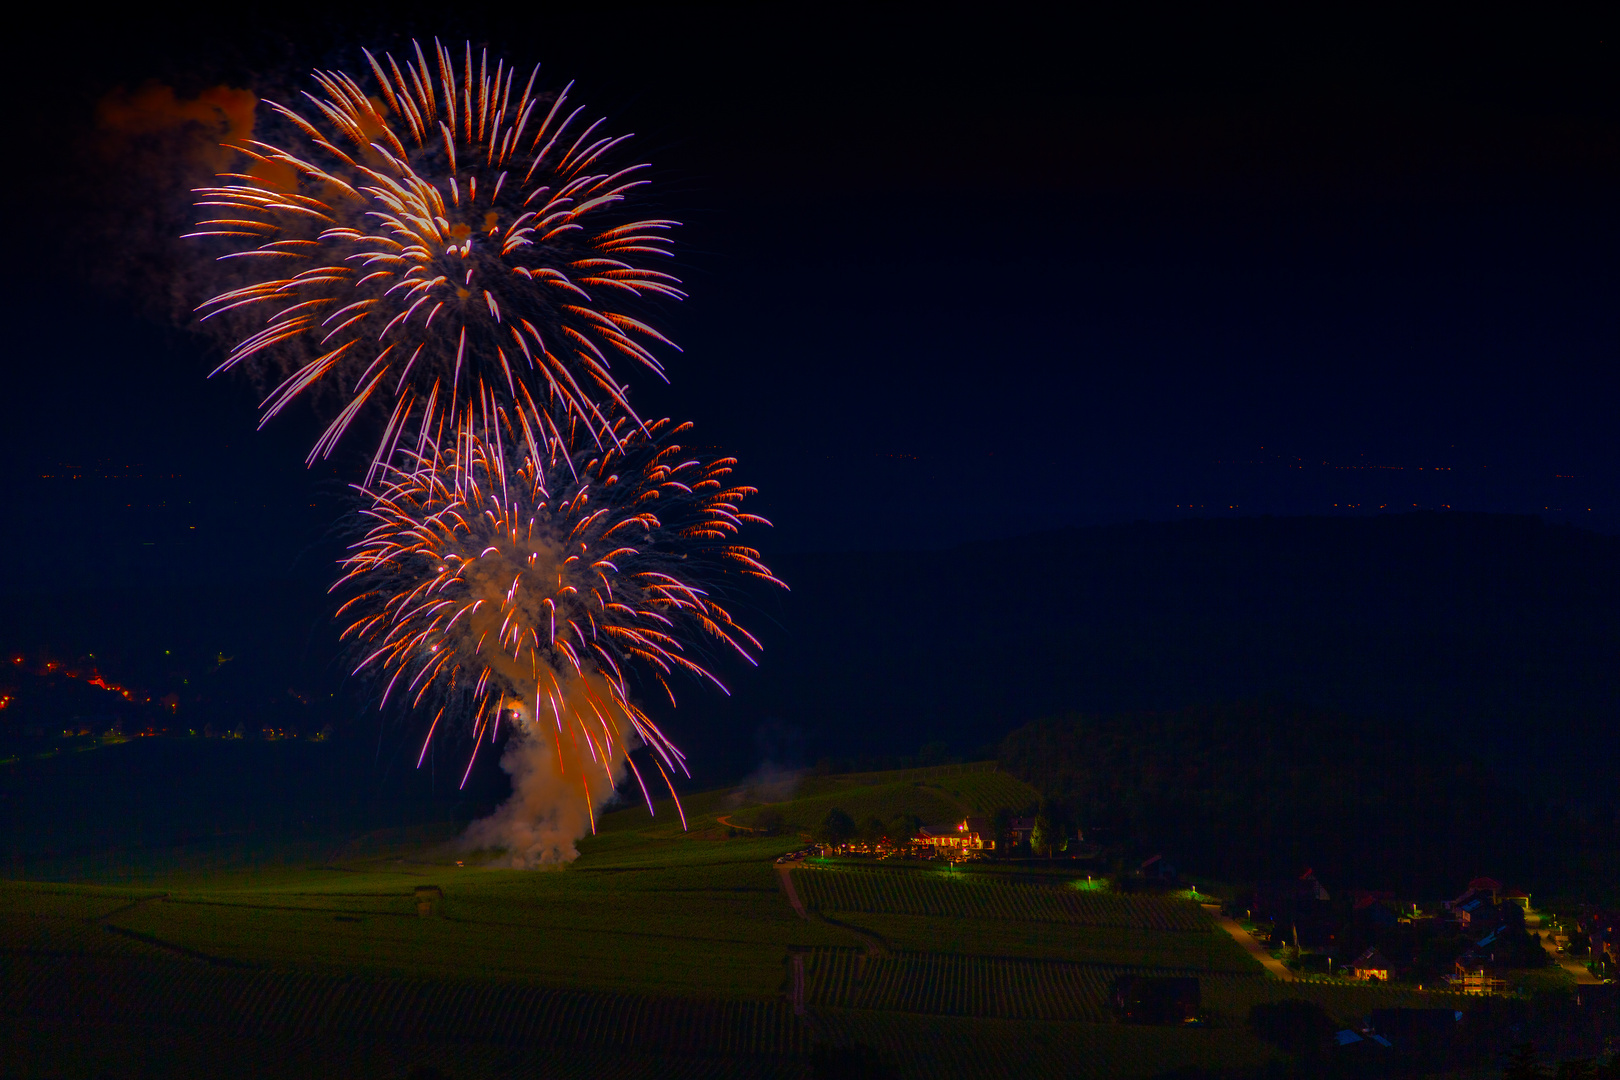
[1254, 948]
[875, 946]
[785, 872]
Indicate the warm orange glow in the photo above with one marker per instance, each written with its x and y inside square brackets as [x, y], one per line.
[216, 114]
[93, 678]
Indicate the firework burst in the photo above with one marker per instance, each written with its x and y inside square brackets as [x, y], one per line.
[500, 584]
[442, 237]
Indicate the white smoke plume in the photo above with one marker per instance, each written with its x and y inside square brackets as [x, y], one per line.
[560, 782]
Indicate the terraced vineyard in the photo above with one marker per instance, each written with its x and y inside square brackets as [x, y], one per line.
[157, 992]
[195, 1051]
[58, 920]
[984, 897]
[976, 947]
[947, 985]
[660, 953]
[939, 1046]
[41, 900]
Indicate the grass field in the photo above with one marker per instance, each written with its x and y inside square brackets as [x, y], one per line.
[660, 952]
[941, 892]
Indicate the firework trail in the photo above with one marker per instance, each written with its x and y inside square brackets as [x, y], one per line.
[507, 586]
[442, 237]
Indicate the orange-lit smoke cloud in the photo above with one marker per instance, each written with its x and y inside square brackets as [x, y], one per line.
[560, 779]
[140, 158]
[200, 124]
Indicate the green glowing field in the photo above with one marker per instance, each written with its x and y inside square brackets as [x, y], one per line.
[660, 952]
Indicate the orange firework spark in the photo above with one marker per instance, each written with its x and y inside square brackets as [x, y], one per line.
[440, 238]
[527, 587]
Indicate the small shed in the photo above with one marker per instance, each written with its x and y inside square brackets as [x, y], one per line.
[428, 898]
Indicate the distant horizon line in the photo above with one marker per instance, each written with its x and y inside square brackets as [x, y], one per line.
[146, 580]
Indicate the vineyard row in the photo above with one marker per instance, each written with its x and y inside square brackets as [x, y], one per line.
[136, 991]
[950, 985]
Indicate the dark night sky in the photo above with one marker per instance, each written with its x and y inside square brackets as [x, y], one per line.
[950, 279]
[955, 276]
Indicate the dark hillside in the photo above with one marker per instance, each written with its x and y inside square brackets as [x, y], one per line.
[1496, 634]
[1500, 633]
[1264, 791]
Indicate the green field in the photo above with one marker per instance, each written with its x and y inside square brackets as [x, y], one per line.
[660, 952]
[963, 894]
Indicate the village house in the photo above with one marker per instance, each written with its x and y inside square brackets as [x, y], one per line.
[1477, 974]
[1476, 914]
[1374, 908]
[1480, 891]
[1296, 915]
[1372, 966]
[1297, 908]
[1479, 909]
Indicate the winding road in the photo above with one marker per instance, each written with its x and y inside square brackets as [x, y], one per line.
[1254, 948]
[1583, 977]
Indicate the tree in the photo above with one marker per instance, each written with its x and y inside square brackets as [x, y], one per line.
[1001, 829]
[873, 830]
[1045, 836]
[903, 828]
[836, 828]
[1038, 835]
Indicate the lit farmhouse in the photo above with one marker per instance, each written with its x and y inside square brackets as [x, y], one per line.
[965, 835]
